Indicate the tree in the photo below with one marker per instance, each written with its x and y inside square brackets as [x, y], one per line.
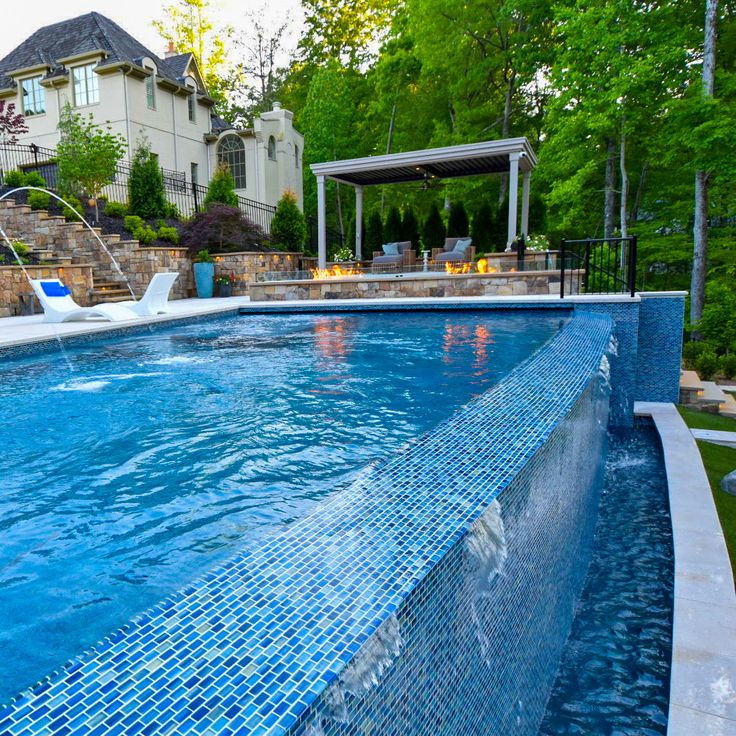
[482, 229]
[146, 195]
[220, 229]
[374, 233]
[410, 227]
[392, 231]
[252, 86]
[288, 226]
[344, 31]
[221, 189]
[702, 176]
[329, 135]
[457, 222]
[87, 154]
[189, 26]
[12, 124]
[433, 231]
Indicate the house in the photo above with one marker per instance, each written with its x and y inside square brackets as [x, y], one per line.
[101, 70]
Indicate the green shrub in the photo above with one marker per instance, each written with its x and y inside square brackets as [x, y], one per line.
[288, 227]
[69, 214]
[482, 229]
[433, 230]
[392, 226]
[145, 234]
[457, 222]
[410, 227]
[171, 211]
[116, 209]
[34, 179]
[203, 256]
[373, 233]
[38, 200]
[146, 185]
[169, 234]
[222, 188]
[14, 179]
[727, 365]
[706, 364]
[691, 351]
[133, 223]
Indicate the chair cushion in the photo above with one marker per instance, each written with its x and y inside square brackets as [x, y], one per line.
[390, 249]
[54, 288]
[450, 255]
[388, 259]
[462, 245]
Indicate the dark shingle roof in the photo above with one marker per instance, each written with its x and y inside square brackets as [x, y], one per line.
[78, 35]
[178, 64]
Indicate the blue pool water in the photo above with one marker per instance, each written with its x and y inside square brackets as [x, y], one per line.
[159, 455]
[614, 674]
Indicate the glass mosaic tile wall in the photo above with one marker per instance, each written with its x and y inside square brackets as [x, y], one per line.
[476, 647]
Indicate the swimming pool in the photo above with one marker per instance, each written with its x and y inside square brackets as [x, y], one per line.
[158, 455]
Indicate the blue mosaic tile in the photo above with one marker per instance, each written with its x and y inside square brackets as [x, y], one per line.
[255, 646]
[660, 348]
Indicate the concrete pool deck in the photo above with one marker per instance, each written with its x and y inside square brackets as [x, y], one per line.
[703, 676]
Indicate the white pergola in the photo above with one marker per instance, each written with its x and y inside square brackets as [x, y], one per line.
[490, 157]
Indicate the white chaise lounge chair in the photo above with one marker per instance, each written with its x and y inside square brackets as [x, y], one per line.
[58, 305]
[156, 298]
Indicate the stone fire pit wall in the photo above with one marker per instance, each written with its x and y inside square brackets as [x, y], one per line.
[431, 285]
[246, 265]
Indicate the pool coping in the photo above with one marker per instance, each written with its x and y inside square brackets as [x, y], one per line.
[703, 675]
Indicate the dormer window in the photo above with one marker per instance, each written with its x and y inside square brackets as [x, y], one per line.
[151, 90]
[272, 148]
[84, 82]
[192, 106]
[34, 96]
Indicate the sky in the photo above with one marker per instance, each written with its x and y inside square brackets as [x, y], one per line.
[135, 16]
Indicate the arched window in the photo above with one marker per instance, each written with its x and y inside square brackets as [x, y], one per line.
[272, 148]
[231, 151]
[296, 156]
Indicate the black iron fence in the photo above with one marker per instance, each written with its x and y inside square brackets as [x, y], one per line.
[598, 266]
[187, 196]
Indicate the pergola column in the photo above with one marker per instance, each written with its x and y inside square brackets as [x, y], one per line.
[526, 181]
[358, 223]
[321, 224]
[513, 198]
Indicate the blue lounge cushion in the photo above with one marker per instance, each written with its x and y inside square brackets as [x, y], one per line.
[54, 288]
[391, 249]
[462, 245]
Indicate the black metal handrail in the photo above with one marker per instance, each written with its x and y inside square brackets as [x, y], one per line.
[608, 266]
[187, 196]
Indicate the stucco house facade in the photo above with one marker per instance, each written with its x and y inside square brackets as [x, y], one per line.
[101, 70]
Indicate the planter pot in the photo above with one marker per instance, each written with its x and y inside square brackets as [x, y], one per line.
[226, 290]
[204, 278]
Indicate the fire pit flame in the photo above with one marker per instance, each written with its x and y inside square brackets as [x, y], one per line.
[335, 272]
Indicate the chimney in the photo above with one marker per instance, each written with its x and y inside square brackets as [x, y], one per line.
[171, 51]
[276, 106]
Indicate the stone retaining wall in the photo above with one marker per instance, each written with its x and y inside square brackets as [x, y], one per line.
[433, 285]
[13, 283]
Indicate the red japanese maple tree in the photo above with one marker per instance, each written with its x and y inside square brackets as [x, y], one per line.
[12, 124]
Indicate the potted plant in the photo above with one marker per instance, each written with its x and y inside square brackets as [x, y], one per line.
[225, 284]
[204, 274]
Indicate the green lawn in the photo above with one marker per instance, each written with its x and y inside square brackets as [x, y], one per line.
[718, 462]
